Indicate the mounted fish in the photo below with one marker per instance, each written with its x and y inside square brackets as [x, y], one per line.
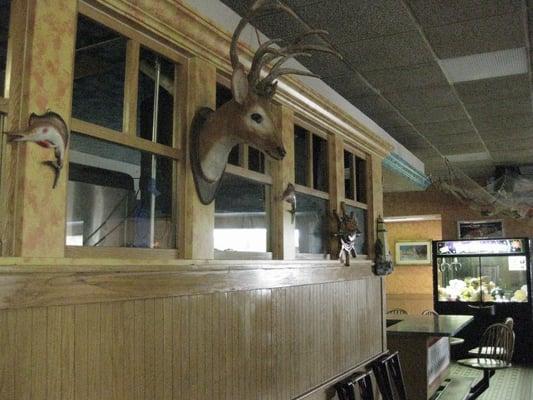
[48, 130]
[347, 232]
[289, 195]
[247, 118]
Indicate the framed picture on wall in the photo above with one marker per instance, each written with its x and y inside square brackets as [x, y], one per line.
[480, 229]
[413, 253]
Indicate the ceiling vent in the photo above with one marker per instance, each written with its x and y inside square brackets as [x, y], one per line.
[485, 65]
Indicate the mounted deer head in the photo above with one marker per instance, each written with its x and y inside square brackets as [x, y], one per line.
[247, 118]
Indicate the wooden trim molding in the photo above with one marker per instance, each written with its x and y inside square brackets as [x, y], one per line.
[45, 285]
[311, 192]
[248, 174]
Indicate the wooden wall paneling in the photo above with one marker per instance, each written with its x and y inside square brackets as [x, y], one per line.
[23, 363]
[282, 227]
[39, 352]
[81, 390]
[129, 350]
[94, 351]
[198, 89]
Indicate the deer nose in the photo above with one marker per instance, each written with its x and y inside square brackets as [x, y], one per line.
[281, 151]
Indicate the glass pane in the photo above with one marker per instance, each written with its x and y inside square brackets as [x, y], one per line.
[361, 218]
[118, 196]
[483, 279]
[301, 155]
[320, 164]
[311, 233]
[360, 169]
[348, 175]
[223, 96]
[153, 67]
[256, 160]
[98, 93]
[241, 222]
[4, 28]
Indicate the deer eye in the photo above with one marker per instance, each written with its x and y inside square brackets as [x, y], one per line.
[257, 117]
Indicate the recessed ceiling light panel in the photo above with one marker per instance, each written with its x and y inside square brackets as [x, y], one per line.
[485, 65]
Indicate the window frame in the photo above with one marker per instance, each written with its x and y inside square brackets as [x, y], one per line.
[354, 152]
[135, 39]
[242, 170]
[308, 189]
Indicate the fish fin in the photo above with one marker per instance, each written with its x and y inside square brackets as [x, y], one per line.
[57, 171]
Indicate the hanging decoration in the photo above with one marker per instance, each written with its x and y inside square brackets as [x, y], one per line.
[247, 118]
[347, 233]
[383, 263]
[48, 130]
[289, 195]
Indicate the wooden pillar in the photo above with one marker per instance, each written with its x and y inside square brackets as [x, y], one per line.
[198, 89]
[336, 187]
[41, 74]
[282, 231]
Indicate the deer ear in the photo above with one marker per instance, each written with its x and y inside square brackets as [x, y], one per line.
[239, 85]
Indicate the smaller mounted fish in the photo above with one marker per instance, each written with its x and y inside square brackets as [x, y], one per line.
[48, 130]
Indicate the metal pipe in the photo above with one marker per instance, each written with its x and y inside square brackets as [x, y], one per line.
[154, 160]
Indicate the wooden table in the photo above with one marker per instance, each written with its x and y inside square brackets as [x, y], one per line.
[423, 343]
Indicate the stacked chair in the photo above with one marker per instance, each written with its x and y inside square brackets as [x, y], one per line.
[388, 375]
[494, 352]
[454, 341]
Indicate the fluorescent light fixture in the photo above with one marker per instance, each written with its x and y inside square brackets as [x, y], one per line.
[468, 157]
[485, 65]
[413, 218]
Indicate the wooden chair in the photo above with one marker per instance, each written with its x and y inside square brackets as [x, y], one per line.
[495, 351]
[397, 311]
[389, 377]
[486, 351]
[360, 383]
[454, 341]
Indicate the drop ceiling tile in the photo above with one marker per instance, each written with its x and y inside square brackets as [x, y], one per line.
[477, 36]
[504, 122]
[435, 114]
[401, 131]
[372, 105]
[445, 128]
[461, 148]
[493, 89]
[349, 86]
[391, 120]
[518, 105]
[326, 65]
[410, 77]
[513, 156]
[386, 52]
[355, 20]
[438, 12]
[279, 26]
[469, 137]
[437, 96]
[508, 142]
[509, 135]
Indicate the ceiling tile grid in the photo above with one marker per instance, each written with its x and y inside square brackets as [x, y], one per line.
[401, 48]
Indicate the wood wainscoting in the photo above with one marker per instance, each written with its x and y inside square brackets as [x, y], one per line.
[260, 338]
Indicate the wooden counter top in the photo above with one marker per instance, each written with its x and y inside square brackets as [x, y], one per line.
[443, 325]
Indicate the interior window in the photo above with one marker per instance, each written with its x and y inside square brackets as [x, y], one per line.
[320, 164]
[311, 233]
[118, 196]
[155, 68]
[360, 167]
[241, 221]
[99, 71]
[301, 156]
[4, 28]
[349, 170]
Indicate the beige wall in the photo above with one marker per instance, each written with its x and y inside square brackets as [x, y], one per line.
[450, 209]
[411, 286]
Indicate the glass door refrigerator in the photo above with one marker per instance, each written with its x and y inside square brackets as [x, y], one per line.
[490, 279]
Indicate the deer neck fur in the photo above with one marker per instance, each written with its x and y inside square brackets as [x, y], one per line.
[217, 139]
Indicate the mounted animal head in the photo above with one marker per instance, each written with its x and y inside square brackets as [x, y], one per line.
[247, 118]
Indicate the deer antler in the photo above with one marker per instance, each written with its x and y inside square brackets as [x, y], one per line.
[266, 53]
